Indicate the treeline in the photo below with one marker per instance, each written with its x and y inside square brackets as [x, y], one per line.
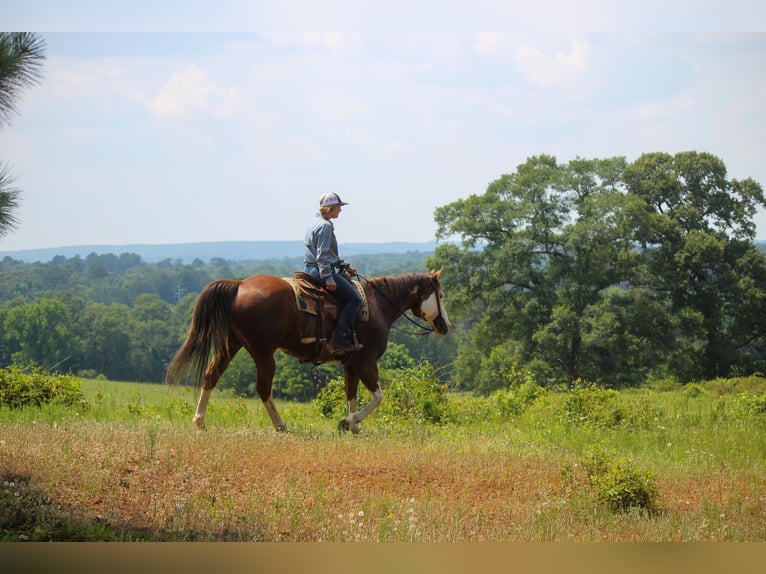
[110, 278]
[607, 271]
[610, 272]
[118, 317]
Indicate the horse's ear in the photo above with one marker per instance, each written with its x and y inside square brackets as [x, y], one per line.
[436, 274]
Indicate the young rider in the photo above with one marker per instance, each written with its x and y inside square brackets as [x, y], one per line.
[323, 262]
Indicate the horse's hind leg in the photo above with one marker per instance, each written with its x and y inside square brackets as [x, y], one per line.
[215, 369]
[266, 366]
[199, 415]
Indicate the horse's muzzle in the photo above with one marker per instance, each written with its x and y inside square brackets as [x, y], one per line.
[441, 327]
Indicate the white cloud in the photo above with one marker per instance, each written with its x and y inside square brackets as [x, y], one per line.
[192, 91]
[73, 80]
[334, 105]
[331, 40]
[488, 42]
[545, 70]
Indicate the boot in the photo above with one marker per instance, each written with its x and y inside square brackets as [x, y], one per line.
[344, 339]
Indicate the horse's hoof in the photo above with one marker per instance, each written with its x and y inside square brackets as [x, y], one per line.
[345, 426]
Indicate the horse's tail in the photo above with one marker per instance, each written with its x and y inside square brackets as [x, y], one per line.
[208, 331]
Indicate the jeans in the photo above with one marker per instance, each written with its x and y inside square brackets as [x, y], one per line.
[349, 296]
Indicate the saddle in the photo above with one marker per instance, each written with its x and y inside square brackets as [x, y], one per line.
[312, 298]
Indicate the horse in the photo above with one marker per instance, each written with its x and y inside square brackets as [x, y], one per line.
[260, 314]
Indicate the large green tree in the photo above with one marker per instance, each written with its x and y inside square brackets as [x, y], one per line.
[695, 231]
[582, 270]
[21, 58]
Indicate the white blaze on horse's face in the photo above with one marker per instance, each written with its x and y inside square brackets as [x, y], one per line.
[433, 311]
[431, 308]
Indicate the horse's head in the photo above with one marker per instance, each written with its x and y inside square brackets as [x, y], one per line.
[431, 306]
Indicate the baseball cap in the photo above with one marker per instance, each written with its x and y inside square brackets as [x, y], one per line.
[328, 199]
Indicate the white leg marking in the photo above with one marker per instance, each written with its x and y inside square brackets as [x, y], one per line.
[276, 420]
[199, 416]
[352, 406]
[355, 417]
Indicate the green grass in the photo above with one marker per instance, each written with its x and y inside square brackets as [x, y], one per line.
[517, 466]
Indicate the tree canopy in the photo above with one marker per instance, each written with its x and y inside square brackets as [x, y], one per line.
[605, 270]
[118, 317]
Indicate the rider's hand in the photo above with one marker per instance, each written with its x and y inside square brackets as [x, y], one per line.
[331, 286]
[351, 271]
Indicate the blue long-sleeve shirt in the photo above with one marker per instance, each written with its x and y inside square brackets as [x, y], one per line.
[321, 248]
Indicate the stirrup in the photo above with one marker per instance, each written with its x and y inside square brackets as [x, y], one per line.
[347, 347]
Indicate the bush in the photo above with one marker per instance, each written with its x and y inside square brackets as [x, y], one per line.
[331, 400]
[512, 402]
[20, 389]
[414, 394]
[752, 406]
[589, 404]
[694, 390]
[663, 384]
[618, 484]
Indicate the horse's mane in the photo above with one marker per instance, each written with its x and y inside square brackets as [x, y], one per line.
[397, 287]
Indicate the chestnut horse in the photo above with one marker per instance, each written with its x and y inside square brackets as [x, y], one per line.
[260, 314]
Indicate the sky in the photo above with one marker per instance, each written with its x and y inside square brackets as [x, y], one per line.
[161, 122]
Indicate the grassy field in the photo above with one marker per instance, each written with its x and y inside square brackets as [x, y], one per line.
[511, 467]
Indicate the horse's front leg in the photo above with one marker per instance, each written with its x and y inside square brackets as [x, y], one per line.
[354, 417]
[276, 420]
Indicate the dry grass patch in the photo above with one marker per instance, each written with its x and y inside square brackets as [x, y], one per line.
[152, 480]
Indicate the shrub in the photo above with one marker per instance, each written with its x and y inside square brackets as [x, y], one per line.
[618, 483]
[589, 404]
[512, 402]
[412, 394]
[694, 390]
[643, 412]
[37, 387]
[663, 383]
[416, 394]
[752, 406]
[331, 400]
[503, 404]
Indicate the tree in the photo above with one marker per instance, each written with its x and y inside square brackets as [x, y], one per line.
[107, 340]
[153, 337]
[696, 235]
[21, 58]
[538, 248]
[606, 270]
[9, 200]
[42, 331]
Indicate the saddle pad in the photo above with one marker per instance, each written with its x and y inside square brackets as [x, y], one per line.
[306, 300]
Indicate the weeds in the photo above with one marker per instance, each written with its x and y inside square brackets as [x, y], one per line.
[618, 483]
[520, 465]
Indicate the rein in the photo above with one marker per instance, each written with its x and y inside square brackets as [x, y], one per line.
[424, 329]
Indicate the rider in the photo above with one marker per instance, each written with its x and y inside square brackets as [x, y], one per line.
[322, 261]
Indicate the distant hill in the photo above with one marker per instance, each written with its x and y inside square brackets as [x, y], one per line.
[227, 250]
